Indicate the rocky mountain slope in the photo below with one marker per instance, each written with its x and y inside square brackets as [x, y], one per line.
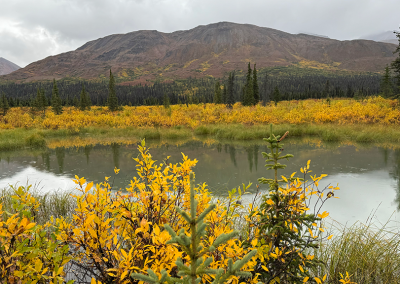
[210, 50]
[7, 67]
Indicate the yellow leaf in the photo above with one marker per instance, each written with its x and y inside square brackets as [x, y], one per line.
[324, 278]
[24, 222]
[270, 202]
[305, 279]
[264, 267]
[124, 274]
[88, 187]
[301, 268]
[156, 230]
[330, 237]
[323, 215]
[317, 280]
[116, 171]
[30, 225]
[60, 270]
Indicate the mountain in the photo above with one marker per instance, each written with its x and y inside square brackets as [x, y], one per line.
[7, 67]
[210, 50]
[388, 37]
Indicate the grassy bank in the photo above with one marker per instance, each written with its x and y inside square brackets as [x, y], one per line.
[370, 254]
[14, 139]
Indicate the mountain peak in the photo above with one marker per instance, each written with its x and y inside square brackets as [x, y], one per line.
[7, 67]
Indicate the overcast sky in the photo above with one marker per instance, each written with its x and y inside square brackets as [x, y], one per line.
[31, 30]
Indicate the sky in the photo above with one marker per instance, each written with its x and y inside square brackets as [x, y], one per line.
[31, 30]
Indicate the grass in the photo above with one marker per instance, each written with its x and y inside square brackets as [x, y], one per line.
[58, 203]
[16, 139]
[368, 253]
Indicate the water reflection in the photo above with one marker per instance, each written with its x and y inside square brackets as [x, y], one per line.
[369, 177]
[395, 174]
[60, 154]
[115, 150]
[87, 149]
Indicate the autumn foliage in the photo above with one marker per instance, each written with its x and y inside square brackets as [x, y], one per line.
[113, 233]
[372, 110]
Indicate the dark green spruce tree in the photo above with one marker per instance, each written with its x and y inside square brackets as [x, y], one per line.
[256, 91]
[276, 95]
[326, 93]
[265, 95]
[166, 101]
[40, 102]
[112, 100]
[396, 64]
[217, 93]
[191, 242]
[4, 104]
[84, 99]
[230, 99]
[224, 94]
[248, 99]
[55, 100]
[386, 84]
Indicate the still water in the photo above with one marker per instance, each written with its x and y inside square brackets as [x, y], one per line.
[368, 176]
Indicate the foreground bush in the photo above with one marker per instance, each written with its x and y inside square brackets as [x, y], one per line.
[29, 253]
[113, 235]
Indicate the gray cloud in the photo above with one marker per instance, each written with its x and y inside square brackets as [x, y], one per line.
[32, 30]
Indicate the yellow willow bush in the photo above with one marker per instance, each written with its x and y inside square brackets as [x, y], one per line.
[340, 111]
[29, 253]
[114, 234]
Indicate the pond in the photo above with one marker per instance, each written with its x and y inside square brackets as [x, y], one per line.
[368, 176]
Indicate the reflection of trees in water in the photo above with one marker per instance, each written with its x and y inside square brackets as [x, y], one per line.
[219, 147]
[385, 155]
[232, 154]
[46, 159]
[255, 152]
[115, 149]
[87, 150]
[60, 154]
[250, 155]
[395, 174]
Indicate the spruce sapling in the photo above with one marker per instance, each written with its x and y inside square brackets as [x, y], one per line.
[191, 243]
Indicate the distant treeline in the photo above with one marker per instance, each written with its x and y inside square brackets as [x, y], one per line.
[191, 90]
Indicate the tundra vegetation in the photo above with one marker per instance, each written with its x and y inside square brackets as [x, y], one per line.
[375, 119]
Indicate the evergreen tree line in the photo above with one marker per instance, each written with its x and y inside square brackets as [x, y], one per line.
[249, 88]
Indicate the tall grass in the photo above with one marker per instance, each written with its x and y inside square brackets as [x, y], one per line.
[370, 254]
[58, 203]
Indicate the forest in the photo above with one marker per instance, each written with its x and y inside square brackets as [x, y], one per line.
[292, 83]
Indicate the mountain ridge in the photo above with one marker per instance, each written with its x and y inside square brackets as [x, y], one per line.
[207, 50]
[7, 67]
